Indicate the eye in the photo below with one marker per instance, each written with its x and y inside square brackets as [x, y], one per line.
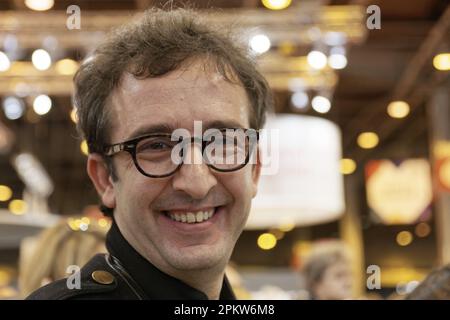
[155, 145]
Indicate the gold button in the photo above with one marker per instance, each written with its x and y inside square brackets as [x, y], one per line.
[102, 277]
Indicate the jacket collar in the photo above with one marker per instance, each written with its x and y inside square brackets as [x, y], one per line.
[155, 283]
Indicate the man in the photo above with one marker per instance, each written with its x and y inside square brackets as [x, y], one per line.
[175, 224]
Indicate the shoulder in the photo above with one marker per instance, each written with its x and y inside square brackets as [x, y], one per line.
[96, 280]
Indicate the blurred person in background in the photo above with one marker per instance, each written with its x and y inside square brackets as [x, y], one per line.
[46, 258]
[327, 272]
[436, 286]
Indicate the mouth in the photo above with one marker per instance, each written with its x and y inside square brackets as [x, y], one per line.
[191, 217]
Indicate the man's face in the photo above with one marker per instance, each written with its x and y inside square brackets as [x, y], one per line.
[143, 205]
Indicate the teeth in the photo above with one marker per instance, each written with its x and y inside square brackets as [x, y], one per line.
[191, 217]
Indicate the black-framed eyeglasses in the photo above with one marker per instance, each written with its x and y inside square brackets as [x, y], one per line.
[160, 155]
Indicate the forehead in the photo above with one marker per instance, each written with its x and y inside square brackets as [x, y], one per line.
[176, 100]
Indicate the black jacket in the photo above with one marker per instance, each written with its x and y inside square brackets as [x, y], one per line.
[123, 274]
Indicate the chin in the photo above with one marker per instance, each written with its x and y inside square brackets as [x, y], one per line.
[197, 258]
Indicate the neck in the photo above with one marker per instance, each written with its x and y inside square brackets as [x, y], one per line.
[209, 281]
[206, 281]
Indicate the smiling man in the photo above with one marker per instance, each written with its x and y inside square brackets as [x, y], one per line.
[175, 223]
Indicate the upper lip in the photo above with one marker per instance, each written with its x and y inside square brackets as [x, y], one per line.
[191, 209]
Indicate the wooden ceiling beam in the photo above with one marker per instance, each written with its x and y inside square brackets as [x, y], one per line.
[374, 114]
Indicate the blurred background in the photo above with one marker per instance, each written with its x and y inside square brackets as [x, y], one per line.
[361, 197]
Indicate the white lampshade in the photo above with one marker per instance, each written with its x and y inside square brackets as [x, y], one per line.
[302, 185]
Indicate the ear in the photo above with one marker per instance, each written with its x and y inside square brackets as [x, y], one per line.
[100, 176]
[256, 172]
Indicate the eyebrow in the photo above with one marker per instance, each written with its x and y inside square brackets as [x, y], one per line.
[150, 129]
[166, 128]
[221, 124]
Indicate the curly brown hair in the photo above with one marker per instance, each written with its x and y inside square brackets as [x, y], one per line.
[152, 45]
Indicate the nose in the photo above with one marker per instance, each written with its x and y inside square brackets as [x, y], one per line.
[194, 177]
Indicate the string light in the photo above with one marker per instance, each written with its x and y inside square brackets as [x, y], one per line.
[423, 229]
[66, 67]
[267, 241]
[17, 207]
[348, 166]
[442, 61]
[4, 62]
[73, 115]
[5, 193]
[404, 238]
[103, 223]
[299, 100]
[317, 59]
[276, 4]
[84, 147]
[41, 59]
[40, 5]
[260, 43]
[13, 108]
[337, 61]
[42, 104]
[321, 104]
[398, 109]
[368, 140]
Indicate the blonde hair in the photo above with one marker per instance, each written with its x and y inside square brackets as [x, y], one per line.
[54, 250]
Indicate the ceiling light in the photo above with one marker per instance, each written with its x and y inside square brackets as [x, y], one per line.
[321, 104]
[4, 62]
[337, 61]
[442, 61]
[42, 104]
[84, 147]
[267, 241]
[5, 193]
[41, 59]
[334, 38]
[368, 140]
[73, 115]
[17, 207]
[398, 109]
[260, 43]
[276, 4]
[13, 108]
[348, 166]
[317, 59]
[40, 5]
[404, 238]
[300, 100]
[66, 67]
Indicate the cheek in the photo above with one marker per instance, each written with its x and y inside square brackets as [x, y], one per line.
[251, 180]
[240, 185]
[136, 193]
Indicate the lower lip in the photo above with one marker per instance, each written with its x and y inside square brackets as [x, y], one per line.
[193, 227]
